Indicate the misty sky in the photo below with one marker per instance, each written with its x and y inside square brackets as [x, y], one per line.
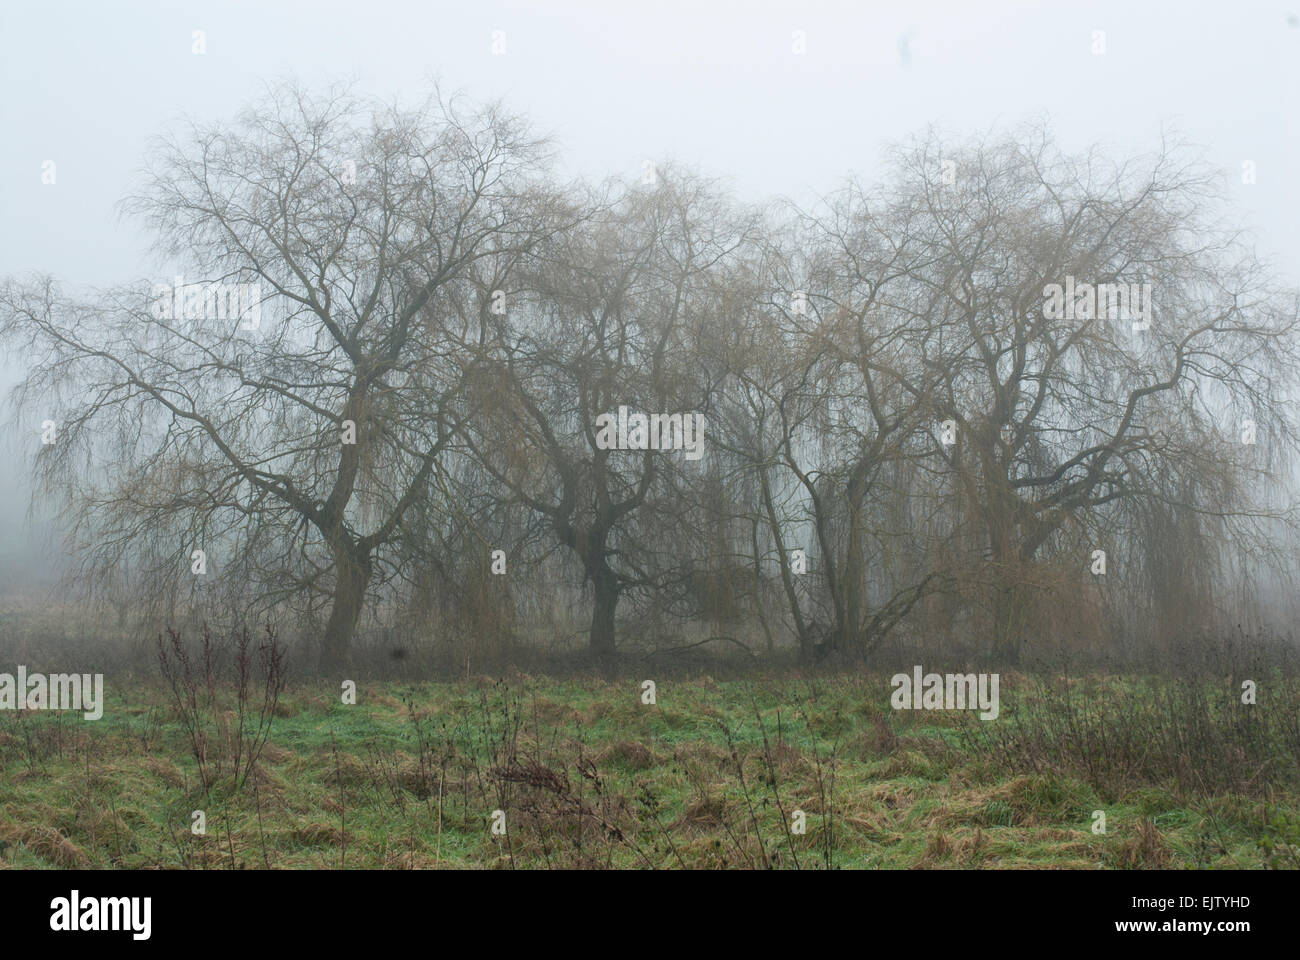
[712, 84]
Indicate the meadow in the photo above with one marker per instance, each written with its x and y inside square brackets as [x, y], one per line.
[788, 770]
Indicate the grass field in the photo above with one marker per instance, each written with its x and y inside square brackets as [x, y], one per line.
[587, 775]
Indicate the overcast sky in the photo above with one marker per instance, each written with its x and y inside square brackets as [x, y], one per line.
[713, 84]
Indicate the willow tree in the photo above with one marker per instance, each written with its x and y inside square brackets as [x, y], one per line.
[284, 404]
[826, 418]
[601, 330]
[1100, 345]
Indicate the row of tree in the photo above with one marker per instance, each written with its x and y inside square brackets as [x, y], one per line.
[898, 427]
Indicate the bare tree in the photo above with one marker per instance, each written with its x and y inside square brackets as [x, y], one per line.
[292, 429]
[829, 413]
[604, 318]
[396, 341]
[1104, 345]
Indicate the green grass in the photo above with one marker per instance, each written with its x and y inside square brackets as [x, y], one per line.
[588, 776]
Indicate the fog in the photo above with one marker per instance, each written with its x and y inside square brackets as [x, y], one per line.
[699, 434]
[713, 85]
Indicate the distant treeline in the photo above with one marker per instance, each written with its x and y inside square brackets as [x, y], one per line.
[1003, 396]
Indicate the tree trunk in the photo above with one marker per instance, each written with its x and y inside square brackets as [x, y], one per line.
[1008, 591]
[353, 575]
[602, 615]
[854, 574]
[806, 653]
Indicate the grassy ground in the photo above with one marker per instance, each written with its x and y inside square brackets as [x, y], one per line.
[711, 775]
